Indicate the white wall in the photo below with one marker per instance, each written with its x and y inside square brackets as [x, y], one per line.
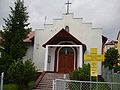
[29, 53]
[82, 31]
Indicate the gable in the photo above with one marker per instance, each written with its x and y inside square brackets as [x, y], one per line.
[63, 35]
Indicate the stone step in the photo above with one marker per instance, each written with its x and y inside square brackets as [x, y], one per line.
[47, 80]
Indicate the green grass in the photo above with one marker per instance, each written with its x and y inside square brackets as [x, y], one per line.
[15, 87]
[10, 87]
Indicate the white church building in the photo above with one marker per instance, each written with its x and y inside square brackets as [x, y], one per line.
[60, 46]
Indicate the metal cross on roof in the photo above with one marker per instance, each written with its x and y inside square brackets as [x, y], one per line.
[68, 3]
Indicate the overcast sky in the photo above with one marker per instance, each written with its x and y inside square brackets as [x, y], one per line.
[102, 13]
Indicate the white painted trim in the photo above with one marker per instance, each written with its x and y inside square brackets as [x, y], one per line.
[78, 57]
[62, 42]
[81, 56]
[79, 60]
[58, 58]
[46, 58]
[74, 57]
[64, 45]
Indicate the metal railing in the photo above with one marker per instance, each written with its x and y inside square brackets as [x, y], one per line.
[109, 75]
[1, 80]
[60, 84]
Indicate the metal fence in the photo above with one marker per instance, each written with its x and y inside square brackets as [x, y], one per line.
[109, 75]
[60, 84]
[1, 80]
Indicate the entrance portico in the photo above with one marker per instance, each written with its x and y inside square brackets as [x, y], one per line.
[49, 60]
[63, 53]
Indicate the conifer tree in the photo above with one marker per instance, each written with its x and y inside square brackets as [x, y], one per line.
[14, 32]
[111, 58]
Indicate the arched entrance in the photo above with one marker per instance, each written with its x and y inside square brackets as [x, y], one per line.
[66, 58]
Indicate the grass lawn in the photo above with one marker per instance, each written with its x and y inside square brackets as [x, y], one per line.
[10, 87]
[15, 87]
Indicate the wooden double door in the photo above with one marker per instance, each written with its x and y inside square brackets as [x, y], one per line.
[66, 60]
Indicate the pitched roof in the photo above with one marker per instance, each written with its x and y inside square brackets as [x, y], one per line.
[63, 35]
[104, 39]
[111, 43]
[118, 35]
[30, 37]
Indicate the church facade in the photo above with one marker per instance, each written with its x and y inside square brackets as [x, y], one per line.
[60, 46]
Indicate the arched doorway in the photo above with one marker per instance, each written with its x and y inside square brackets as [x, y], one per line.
[66, 58]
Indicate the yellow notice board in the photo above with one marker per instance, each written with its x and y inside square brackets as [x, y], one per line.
[93, 68]
[93, 57]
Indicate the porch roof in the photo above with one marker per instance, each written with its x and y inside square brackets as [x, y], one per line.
[63, 35]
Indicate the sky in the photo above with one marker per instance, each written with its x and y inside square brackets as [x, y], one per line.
[102, 13]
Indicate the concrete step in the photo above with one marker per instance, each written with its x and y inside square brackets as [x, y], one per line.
[47, 80]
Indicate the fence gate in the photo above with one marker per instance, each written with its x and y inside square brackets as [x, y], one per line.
[60, 84]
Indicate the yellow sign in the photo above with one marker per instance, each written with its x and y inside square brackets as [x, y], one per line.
[93, 58]
[94, 68]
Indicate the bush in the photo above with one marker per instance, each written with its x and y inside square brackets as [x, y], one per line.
[21, 73]
[30, 85]
[82, 74]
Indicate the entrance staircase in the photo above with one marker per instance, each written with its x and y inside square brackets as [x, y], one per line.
[45, 80]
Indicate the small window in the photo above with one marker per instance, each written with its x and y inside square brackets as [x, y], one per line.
[67, 28]
[66, 50]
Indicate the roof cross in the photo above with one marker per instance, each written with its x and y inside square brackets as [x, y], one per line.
[68, 3]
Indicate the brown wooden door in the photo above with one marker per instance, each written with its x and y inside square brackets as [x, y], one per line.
[66, 60]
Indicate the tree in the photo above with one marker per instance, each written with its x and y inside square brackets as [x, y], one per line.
[21, 73]
[15, 30]
[111, 58]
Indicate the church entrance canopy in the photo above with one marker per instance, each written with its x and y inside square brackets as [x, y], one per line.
[64, 36]
[61, 55]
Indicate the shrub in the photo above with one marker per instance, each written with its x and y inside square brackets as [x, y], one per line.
[82, 74]
[21, 72]
[30, 85]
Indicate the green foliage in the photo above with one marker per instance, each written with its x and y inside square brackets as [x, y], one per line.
[17, 87]
[30, 85]
[5, 62]
[10, 87]
[21, 72]
[75, 75]
[14, 32]
[116, 69]
[82, 74]
[111, 58]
